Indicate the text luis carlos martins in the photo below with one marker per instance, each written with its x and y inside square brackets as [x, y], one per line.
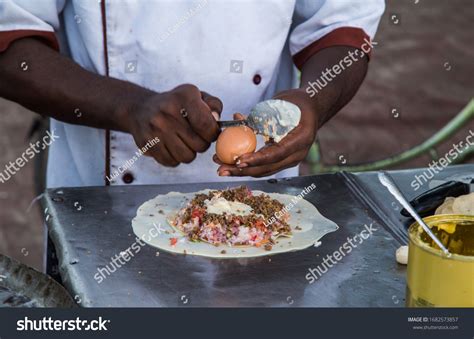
[129, 163]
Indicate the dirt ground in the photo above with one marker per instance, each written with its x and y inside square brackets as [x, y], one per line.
[21, 230]
[422, 68]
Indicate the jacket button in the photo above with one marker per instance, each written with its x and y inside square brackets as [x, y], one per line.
[128, 178]
[257, 79]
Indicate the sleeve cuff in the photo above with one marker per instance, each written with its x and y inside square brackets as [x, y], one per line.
[344, 36]
[7, 37]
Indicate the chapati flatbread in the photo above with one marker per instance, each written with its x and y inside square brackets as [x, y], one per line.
[308, 226]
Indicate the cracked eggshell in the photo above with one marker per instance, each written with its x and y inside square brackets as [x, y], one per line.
[402, 255]
[464, 204]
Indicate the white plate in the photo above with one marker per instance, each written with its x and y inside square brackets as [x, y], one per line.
[154, 229]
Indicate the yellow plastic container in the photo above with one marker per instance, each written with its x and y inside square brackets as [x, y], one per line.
[434, 280]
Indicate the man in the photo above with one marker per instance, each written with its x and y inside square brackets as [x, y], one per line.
[114, 75]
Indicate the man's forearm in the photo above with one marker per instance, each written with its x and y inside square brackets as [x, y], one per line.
[331, 78]
[55, 86]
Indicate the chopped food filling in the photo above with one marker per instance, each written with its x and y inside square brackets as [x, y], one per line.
[233, 217]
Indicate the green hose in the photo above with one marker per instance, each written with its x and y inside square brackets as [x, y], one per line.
[429, 145]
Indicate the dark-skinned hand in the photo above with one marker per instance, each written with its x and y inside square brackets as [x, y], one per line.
[182, 133]
[289, 152]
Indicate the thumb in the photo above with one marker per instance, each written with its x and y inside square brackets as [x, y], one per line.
[214, 103]
[238, 116]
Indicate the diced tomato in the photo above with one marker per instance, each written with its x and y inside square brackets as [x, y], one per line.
[173, 241]
[197, 213]
[260, 243]
[260, 224]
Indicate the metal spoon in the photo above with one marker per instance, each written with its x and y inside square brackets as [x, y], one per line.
[272, 118]
[388, 182]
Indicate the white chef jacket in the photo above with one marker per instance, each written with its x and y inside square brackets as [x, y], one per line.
[242, 51]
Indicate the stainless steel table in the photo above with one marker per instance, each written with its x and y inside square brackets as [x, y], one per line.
[90, 225]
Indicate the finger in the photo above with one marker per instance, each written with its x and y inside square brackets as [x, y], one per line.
[260, 171]
[224, 174]
[216, 159]
[180, 151]
[182, 127]
[162, 155]
[213, 102]
[226, 168]
[191, 138]
[269, 154]
[264, 170]
[267, 174]
[158, 152]
[198, 112]
[239, 116]
[201, 120]
[199, 117]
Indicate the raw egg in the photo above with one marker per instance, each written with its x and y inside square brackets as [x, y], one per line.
[235, 141]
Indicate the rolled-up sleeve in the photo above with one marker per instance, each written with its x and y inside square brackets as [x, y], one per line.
[29, 18]
[325, 23]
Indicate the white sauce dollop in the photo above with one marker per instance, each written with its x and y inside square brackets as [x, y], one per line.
[219, 205]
